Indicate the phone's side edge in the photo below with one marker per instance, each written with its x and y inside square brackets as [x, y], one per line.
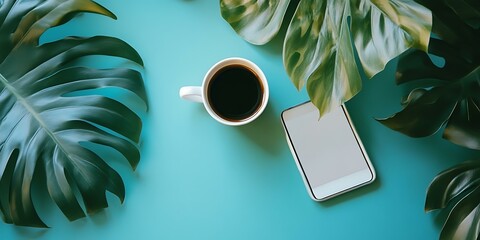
[294, 154]
[360, 144]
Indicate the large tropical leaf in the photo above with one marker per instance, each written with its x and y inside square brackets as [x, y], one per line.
[318, 49]
[457, 102]
[453, 99]
[52, 114]
[255, 21]
[458, 187]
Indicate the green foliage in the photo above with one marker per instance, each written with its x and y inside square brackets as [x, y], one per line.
[318, 50]
[449, 94]
[449, 97]
[46, 127]
[458, 187]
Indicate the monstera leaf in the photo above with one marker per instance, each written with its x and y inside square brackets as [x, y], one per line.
[453, 99]
[318, 50]
[449, 97]
[459, 188]
[52, 115]
[256, 21]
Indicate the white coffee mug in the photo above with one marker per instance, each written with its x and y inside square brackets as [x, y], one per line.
[234, 91]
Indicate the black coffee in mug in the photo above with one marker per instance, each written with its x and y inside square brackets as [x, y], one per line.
[235, 92]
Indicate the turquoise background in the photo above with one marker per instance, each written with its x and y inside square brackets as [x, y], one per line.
[199, 179]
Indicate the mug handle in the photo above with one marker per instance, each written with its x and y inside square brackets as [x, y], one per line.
[191, 93]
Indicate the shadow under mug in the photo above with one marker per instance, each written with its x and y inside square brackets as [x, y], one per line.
[234, 91]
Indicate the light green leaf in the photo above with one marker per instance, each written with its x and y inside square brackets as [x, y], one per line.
[318, 47]
[383, 29]
[318, 50]
[256, 21]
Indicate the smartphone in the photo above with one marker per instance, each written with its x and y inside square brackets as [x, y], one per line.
[329, 154]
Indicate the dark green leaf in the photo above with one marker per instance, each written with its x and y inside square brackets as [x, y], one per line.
[45, 123]
[463, 128]
[452, 26]
[474, 230]
[453, 87]
[416, 65]
[451, 183]
[426, 114]
[462, 209]
[455, 104]
[459, 187]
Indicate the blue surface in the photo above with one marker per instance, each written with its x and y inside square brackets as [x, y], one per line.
[199, 179]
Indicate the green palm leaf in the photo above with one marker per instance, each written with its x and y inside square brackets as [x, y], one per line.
[318, 49]
[46, 123]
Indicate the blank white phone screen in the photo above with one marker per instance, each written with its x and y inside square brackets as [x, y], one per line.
[326, 148]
